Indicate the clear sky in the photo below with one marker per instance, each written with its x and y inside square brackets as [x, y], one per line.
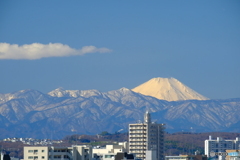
[107, 45]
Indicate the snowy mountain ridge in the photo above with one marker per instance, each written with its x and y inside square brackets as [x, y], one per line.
[31, 113]
[60, 92]
[169, 89]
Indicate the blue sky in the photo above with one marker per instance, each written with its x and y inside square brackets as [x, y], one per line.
[106, 45]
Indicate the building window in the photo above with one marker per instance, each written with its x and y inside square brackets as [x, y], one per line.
[35, 151]
[109, 156]
[30, 151]
[30, 157]
[42, 150]
[43, 157]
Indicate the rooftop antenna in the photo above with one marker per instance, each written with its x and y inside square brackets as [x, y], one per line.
[147, 117]
[192, 139]
[51, 137]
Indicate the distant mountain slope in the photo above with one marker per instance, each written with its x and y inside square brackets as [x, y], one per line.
[60, 92]
[30, 113]
[169, 89]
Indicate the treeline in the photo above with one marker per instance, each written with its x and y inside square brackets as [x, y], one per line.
[188, 143]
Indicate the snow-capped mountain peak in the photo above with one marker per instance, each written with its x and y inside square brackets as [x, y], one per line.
[169, 89]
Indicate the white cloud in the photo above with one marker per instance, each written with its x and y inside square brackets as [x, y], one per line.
[38, 50]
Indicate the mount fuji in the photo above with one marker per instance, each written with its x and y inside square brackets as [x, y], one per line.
[169, 89]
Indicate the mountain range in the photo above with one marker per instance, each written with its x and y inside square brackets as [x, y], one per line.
[30, 113]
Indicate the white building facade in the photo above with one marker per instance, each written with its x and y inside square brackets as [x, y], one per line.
[220, 146]
[110, 151]
[57, 153]
[146, 136]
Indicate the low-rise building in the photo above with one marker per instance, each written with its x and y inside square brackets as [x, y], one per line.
[110, 151]
[57, 153]
[124, 156]
[233, 154]
[187, 157]
[6, 157]
[216, 148]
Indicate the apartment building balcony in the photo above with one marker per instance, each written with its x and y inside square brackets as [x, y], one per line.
[61, 155]
[137, 135]
[137, 138]
[60, 158]
[138, 128]
[137, 141]
[138, 132]
[136, 151]
[138, 125]
[138, 148]
[138, 145]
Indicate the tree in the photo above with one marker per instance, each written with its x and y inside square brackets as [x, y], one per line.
[104, 133]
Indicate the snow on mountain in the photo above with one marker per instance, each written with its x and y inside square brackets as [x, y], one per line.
[169, 89]
[5, 97]
[34, 114]
[31, 113]
[129, 98]
[60, 92]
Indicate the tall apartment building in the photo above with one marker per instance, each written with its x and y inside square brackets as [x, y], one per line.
[146, 137]
[57, 153]
[220, 145]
